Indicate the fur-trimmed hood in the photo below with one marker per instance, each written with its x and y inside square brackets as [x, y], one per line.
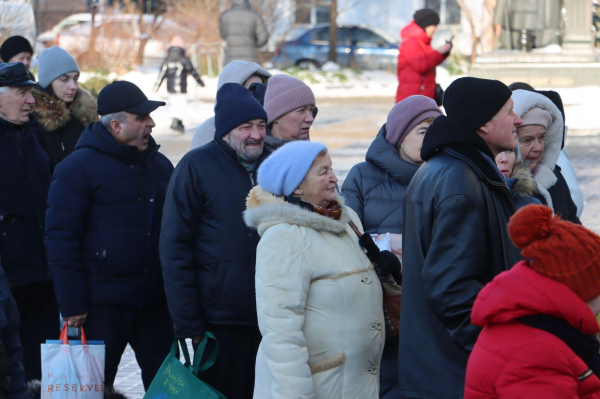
[53, 114]
[543, 173]
[526, 100]
[264, 210]
[525, 185]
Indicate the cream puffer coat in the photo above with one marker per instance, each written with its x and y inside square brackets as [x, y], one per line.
[319, 304]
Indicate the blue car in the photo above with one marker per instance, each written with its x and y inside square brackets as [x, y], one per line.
[357, 46]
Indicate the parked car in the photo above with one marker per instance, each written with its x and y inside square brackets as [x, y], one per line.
[117, 33]
[357, 46]
[16, 19]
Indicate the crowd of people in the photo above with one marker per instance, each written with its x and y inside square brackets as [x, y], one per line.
[450, 264]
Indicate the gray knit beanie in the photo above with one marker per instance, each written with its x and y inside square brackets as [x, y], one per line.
[54, 62]
[285, 94]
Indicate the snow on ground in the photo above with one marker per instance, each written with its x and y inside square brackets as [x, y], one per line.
[582, 104]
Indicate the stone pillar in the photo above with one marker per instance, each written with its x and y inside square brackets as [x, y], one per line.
[578, 28]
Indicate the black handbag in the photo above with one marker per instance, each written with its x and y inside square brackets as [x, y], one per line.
[439, 95]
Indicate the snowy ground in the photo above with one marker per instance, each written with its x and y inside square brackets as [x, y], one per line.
[582, 104]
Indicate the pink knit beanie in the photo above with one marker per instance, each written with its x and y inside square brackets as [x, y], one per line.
[407, 114]
[285, 94]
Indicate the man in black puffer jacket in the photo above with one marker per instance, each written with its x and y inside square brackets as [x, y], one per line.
[102, 229]
[207, 251]
[455, 238]
[24, 182]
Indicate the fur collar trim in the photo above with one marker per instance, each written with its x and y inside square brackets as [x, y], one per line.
[525, 183]
[264, 210]
[545, 178]
[53, 114]
[526, 100]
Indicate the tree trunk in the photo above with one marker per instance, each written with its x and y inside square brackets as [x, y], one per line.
[94, 30]
[476, 41]
[333, 31]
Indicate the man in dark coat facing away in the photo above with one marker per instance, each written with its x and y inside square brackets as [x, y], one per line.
[244, 31]
[208, 253]
[455, 238]
[102, 228]
[24, 182]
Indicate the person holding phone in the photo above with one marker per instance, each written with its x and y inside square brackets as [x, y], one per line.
[417, 60]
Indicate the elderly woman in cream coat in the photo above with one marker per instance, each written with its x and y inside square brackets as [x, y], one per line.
[318, 297]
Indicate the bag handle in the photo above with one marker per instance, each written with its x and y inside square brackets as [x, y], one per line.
[197, 366]
[64, 335]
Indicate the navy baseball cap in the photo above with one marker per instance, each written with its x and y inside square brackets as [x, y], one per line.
[123, 96]
[14, 74]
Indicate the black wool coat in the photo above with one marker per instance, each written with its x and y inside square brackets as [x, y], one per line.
[208, 252]
[24, 184]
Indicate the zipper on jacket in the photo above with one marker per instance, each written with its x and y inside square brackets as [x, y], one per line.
[139, 173]
[63, 146]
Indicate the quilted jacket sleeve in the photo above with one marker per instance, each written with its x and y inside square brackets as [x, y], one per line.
[282, 282]
[261, 34]
[69, 201]
[538, 371]
[352, 192]
[181, 213]
[453, 272]
[421, 58]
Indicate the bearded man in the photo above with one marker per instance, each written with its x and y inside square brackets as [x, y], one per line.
[208, 253]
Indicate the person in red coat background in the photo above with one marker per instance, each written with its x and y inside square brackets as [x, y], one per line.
[417, 59]
[538, 319]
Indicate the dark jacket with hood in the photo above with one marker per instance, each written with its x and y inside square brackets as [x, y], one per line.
[208, 253]
[12, 374]
[103, 224]
[375, 191]
[176, 68]
[455, 241]
[244, 31]
[62, 124]
[24, 183]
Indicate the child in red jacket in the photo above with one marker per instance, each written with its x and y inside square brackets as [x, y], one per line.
[538, 319]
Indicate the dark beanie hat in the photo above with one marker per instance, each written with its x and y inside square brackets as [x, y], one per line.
[426, 17]
[235, 105]
[473, 102]
[14, 45]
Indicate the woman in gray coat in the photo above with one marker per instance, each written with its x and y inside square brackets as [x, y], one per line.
[375, 191]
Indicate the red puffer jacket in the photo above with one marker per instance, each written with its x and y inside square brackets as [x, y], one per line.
[513, 360]
[416, 63]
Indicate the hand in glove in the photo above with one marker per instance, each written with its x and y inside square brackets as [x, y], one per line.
[389, 263]
[366, 241]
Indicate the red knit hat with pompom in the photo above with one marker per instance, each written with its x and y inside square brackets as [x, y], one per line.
[563, 251]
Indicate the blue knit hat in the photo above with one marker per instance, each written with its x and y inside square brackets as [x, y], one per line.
[283, 171]
[235, 105]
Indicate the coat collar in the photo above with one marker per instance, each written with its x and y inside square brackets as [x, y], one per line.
[522, 182]
[53, 114]
[264, 210]
[386, 157]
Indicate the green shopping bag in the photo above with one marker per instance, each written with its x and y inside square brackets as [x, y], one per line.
[177, 380]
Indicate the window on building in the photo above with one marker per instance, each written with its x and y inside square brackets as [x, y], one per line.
[449, 10]
[310, 14]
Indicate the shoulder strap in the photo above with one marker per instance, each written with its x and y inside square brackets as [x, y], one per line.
[355, 228]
